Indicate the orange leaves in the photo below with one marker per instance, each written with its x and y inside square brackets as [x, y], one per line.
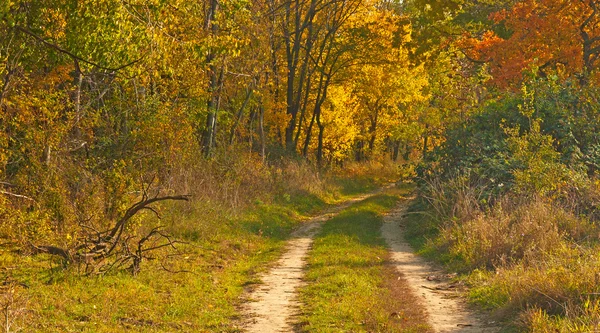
[543, 36]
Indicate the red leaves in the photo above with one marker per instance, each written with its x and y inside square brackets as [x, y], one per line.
[545, 36]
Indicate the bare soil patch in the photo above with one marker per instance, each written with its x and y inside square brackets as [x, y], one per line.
[441, 298]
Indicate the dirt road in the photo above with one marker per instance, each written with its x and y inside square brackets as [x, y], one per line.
[274, 303]
[446, 311]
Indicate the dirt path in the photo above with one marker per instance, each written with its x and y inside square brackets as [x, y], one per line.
[274, 303]
[447, 312]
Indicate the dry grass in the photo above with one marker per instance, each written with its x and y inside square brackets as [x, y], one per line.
[13, 307]
[555, 290]
[458, 199]
[533, 260]
[581, 318]
[511, 231]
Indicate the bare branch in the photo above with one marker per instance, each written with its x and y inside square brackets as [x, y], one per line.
[73, 56]
[20, 196]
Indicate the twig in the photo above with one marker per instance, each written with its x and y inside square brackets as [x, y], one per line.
[72, 55]
[17, 195]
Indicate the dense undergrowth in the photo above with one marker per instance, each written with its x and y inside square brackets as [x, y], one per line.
[234, 226]
[531, 262]
[511, 200]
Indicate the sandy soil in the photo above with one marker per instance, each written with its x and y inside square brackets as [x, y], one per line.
[446, 309]
[273, 304]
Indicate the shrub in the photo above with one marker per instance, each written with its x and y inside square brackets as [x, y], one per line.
[512, 230]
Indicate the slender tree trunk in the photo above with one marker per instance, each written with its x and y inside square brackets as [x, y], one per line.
[373, 130]
[320, 139]
[291, 56]
[261, 131]
[396, 151]
[302, 113]
[213, 78]
[308, 136]
[5, 83]
[407, 150]
[240, 114]
[360, 145]
[425, 142]
[79, 83]
[251, 118]
[294, 45]
[319, 123]
[590, 51]
[304, 75]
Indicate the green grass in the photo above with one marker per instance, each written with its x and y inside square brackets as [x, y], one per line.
[420, 229]
[202, 291]
[349, 187]
[218, 266]
[347, 274]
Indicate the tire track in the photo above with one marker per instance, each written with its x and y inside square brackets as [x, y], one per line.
[273, 304]
[446, 310]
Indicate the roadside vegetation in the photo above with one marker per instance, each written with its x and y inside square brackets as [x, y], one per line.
[196, 285]
[520, 221]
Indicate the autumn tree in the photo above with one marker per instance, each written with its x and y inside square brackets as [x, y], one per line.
[558, 36]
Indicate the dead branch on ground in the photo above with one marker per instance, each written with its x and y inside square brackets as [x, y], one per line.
[102, 251]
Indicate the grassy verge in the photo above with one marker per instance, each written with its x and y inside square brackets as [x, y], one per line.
[351, 287]
[194, 289]
[532, 263]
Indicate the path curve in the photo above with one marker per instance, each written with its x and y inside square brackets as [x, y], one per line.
[273, 305]
[446, 310]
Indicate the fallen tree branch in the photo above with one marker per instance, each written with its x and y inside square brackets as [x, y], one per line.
[20, 196]
[53, 250]
[97, 249]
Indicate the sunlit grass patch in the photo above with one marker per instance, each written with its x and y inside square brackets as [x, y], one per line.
[197, 288]
[347, 274]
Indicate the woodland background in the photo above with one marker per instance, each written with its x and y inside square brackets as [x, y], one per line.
[241, 107]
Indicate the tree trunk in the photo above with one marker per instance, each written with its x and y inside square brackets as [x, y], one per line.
[590, 51]
[294, 45]
[251, 118]
[211, 103]
[425, 143]
[320, 140]
[240, 114]
[373, 130]
[261, 131]
[360, 145]
[302, 113]
[395, 151]
[79, 83]
[308, 136]
[407, 150]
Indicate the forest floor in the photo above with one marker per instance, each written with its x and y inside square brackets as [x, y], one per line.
[350, 269]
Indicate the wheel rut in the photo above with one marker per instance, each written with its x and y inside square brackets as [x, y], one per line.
[446, 310]
[273, 305]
